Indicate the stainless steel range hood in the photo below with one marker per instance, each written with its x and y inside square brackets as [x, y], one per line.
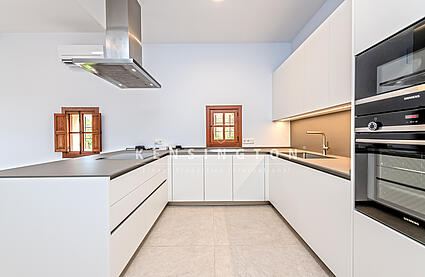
[122, 65]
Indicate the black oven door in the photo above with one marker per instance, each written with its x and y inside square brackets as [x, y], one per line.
[390, 180]
[392, 65]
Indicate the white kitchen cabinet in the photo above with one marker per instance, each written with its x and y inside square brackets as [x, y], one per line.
[127, 238]
[296, 82]
[376, 20]
[280, 105]
[340, 57]
[289, 77]
[318, 207]
[188, 178]
[218, 177]
[318, 74]
[248, 177]
[78, 226]
[381, 251]
[316, 79]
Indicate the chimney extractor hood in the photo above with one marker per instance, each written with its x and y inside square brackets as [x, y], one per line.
[122, 65]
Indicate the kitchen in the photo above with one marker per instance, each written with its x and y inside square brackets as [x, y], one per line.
[268, 149]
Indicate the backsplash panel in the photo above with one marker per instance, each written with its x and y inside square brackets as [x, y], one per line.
[336, 126]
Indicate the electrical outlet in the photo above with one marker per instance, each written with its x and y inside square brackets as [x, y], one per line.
[248, 141]
[159, 141]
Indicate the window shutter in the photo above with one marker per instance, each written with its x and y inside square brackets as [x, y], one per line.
[61, 131]
[97, 133]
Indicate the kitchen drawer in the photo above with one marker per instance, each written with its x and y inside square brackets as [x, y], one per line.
[126, 239]
[121, 209]
[125, 184]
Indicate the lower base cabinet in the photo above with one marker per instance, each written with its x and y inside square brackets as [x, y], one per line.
[248, 178]
[128, 236]
[218, 177]
[78, 226]
[188, 178]
[381, 251]
[318, 206]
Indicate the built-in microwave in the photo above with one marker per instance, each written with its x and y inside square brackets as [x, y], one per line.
[392, 72]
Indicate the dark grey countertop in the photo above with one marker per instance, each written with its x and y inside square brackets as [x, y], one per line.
[98, 166]
[91, 166]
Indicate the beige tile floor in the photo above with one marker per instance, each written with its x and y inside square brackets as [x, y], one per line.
[223, 241]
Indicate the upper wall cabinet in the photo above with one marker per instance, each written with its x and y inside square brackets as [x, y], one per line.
[318, 74]
[376, 20]
[340, 57]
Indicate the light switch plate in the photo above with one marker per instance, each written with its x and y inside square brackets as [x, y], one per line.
[248, 141]
[159, 141]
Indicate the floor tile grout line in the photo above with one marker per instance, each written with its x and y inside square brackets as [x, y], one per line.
[223, 214]
[176, 246]
[214, 261]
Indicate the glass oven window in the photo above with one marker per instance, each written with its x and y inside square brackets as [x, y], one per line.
[399, 183]
[406, 71]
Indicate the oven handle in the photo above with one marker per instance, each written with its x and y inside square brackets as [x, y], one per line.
[393, 141]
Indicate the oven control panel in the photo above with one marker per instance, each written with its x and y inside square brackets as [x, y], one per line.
[383, 121]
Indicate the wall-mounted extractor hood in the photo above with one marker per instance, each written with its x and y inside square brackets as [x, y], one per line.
[122, 64]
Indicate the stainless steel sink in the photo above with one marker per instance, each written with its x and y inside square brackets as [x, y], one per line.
[306, 155]
[127, 156]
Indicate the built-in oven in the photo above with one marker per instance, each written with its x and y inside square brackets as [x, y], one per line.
[392, 72]
[390, 169]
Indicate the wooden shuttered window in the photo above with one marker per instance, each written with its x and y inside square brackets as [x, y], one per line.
[224, 126]
[78, 132]
[61, 131]
[97, 138]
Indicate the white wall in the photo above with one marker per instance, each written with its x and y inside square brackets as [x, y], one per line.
[319, 17]
[35, 85]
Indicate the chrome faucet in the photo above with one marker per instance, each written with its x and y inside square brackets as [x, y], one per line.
[325, 145]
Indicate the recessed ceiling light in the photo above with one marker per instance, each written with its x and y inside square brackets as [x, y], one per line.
[120, 85]
[151, 85]
[134, 70]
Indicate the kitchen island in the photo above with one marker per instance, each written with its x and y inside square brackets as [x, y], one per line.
[88, 216]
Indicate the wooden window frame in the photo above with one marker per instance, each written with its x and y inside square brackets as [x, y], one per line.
[81, 111]
[237, 125]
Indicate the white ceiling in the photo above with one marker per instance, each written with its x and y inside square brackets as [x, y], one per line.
[169, 21]
[228, 21]
[51, 15]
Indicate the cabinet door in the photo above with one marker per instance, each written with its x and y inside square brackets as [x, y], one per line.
[316, 52]
[378, 19]
[296, 85]
[340, 58]
[318, 206]
[288, 83]
[381, 251]
[188, 178]
[284, 192]
[325, 210]
[280, 83]
[276, 179]
[218, 178]
[248, 178]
